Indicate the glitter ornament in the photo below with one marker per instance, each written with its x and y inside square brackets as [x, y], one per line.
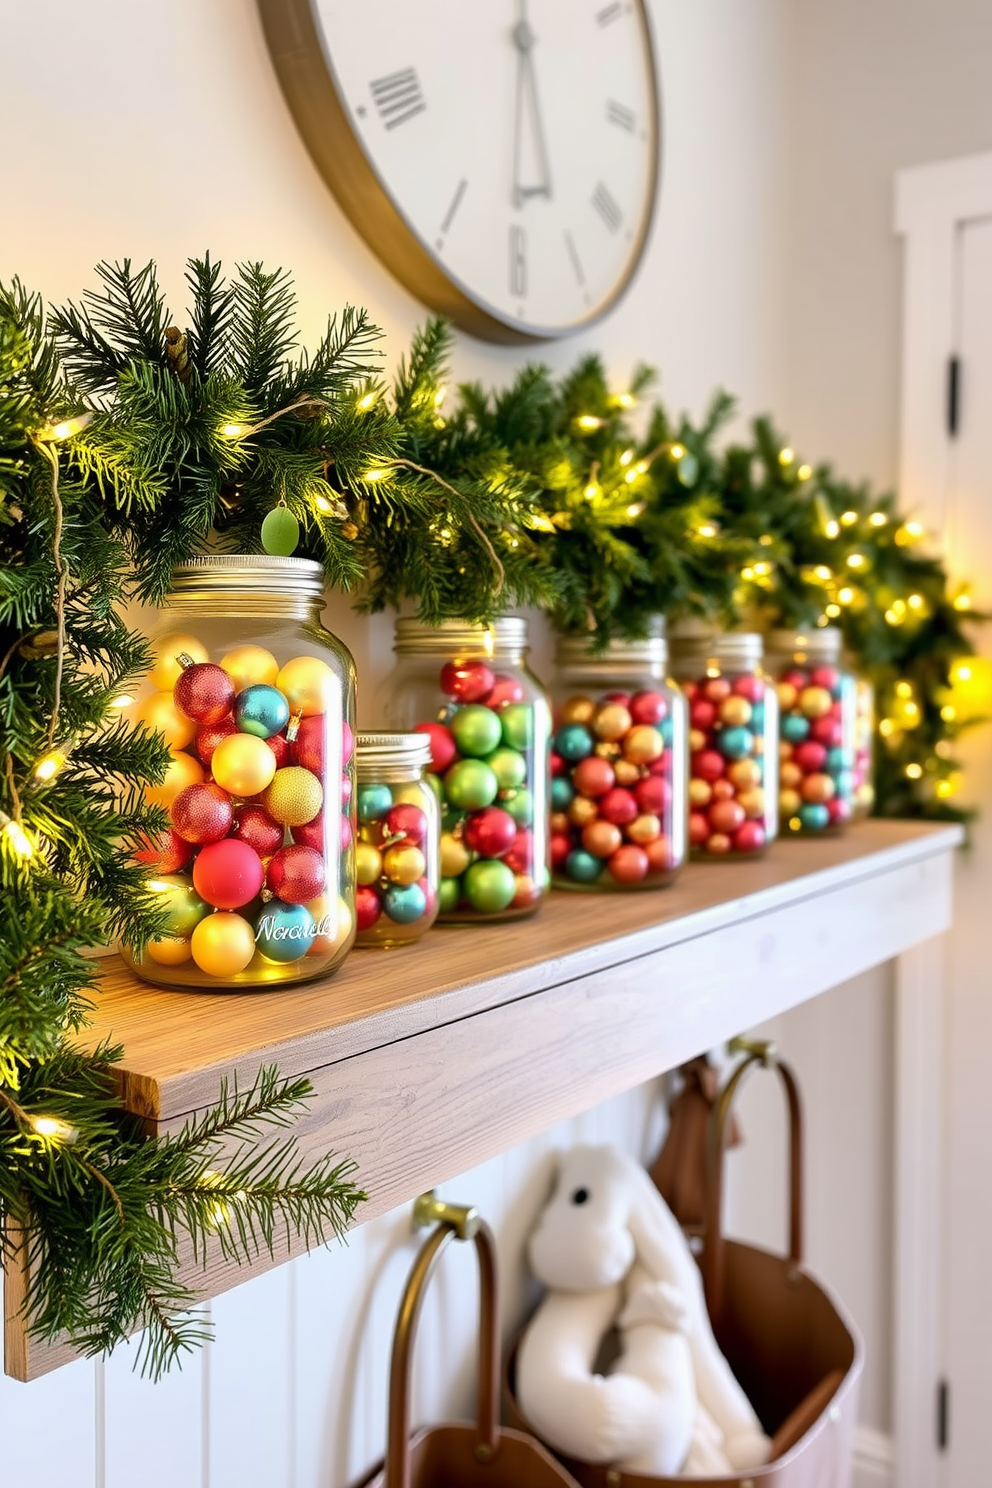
[443, 749]
[294, 797]
[250, 666]
[470, 785]
[261, 710]
[204, 692]
[489, 886]
[243, 765]
[284, 932]
[159, 714]
[184, 908]
[581, 811]
[202, 813]
[476, 730]
[167, 668]
[491, 832]
[309, 686]
[296, 874]
[169, 950]
[253, 824]
[166, 852]
[466, 681]
[307, 749]
[228, 874]
[311, 833]
[208, 737]
[182, 770]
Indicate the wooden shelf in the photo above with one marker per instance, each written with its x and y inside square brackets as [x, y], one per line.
[429, 1060]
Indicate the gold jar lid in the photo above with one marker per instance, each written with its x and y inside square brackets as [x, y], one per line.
[451, 637]
[229, 573]
[580, 651]
[386, 756]
[819, 642]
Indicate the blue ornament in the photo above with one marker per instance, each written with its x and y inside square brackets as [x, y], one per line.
[837, 759]
[666, 729]
[285, 932]
[735, 743]
[845, 784]
[813, 816]
[561, 793]
[261, 710]
[583, 867]
[373, 802]
[757, 718]
[404, 903]
[794, 728]
[573, 741]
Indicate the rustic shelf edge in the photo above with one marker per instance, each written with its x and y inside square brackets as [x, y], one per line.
[408, 1084]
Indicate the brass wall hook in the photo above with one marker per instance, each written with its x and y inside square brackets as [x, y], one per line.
[428, 1209]
[764, 1049]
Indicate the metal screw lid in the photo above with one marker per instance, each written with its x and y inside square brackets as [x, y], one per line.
[452, 636]
[377, 755]
[225, 573]
[730, 648]
[648, 651]
[819, 642]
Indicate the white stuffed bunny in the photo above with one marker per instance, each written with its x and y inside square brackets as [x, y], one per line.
[609, 1251]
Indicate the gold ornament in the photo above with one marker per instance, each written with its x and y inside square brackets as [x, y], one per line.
[455, 856]
[368, 863]
[404, 863]
[611, 721]
[735, 711]
[294, 797]
[159, 714]
[183, 770]
[250, 666]
[578, 710]
[244, 765]
[170, 950]
[309, 685]
[167, 668]
[223, 944]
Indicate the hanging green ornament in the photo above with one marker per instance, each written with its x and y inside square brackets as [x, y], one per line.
[280, 532]
[688, 469]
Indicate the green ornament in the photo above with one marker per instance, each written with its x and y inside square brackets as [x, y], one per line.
[518, 725]
[688, 469]
[520, 805]
[489, 886]
[470, 785]
[174, 893]
[509, 767]
[476, 730]
[449, 895]
[280, 532]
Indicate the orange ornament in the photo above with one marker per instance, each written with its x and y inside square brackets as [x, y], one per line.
[183, 770]
[159, 713]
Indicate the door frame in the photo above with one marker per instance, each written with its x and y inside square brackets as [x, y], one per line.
[932, 202]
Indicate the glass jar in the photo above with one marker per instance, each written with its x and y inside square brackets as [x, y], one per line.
[817, 698]
[256, 701]
[733, 742]
[489, 723]
[864, 748]
[397, 859]
[619, 767]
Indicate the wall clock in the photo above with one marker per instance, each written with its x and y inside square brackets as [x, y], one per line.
[499, 156]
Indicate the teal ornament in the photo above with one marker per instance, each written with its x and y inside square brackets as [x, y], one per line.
[470, 785]
[285, 932]
[845, 784]
[735, 743]
[489, 886]
[405, 903]
[837, 760]
[688, 469]
[449, 895]
[794, 727]
[476, 730]
[583, 867]
[520, 805]
[509, 767]
[573, 742]
[280, 532]
[666, 729]
[562, 792]
[517, 720]
[814, 816]
[757, 724]
[373, 802]
[261, 710]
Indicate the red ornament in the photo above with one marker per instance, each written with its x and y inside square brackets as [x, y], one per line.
[810, 755]
[601, 839]
[311, 834]
[347, 741]
[504, 690]
[166, 852]
[307, 749]
[466, 681]
[593, 776]
[406, 820]
[521, 855]
[752, 688]
[750, 837]
[560, 849]
[795, 678]
[653, 795]
[490, 832]
[280, 747]
[558, 765]
[204, 692]
[726, 816]
[708, 765]
[619, 806]
[724, 790]
[202, 813]
[368, 907]
[825, 676]
[719, 844]
[443, 750]
[660, 855]
[228, 874]
[690, 691]
[699, 828]
[254, 825]
[827, 731]
[208, 737]
[430, 896]
[296, 874]
[702, 714]
[629, 864]
[623, 698]
[347, 835]
[648, 707]
[839, 808]
[716, 689]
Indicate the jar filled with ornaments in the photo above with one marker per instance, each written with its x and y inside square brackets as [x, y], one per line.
[256, 700]
[733, 741]
[864, 748]
[619, 766]
[397, 851]
[818, 700]
[468, 690]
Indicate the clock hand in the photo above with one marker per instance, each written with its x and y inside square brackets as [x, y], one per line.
[527, 102]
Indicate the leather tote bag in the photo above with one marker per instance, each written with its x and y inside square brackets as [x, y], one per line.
[788, 1340]
[481, 1454]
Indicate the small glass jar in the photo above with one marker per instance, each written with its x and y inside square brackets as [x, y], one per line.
[864, 749]
[733, 742]
[489, 723]
[256, 701]
[397, 859]
[619, 767]
[817, 698]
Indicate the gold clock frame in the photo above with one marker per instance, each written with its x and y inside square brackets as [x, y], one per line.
[308, 83]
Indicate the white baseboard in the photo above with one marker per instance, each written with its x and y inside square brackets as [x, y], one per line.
[873, 1459]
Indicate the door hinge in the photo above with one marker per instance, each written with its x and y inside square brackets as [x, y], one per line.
[953, 394]
[943, 1414]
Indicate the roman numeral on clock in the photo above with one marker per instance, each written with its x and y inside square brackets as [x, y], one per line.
[617, 113]
[607, 207]
[398, 97]
[518, 261]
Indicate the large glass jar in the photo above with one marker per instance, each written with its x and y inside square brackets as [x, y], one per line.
[397, 866]
[619, 767]
[256, 701]
[817, 697]
[864, 748]
[733, 742]
[489, 723]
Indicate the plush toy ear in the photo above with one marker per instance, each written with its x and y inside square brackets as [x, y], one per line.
[660, 1244]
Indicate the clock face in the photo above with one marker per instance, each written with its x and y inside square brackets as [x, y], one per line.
[499, 155]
